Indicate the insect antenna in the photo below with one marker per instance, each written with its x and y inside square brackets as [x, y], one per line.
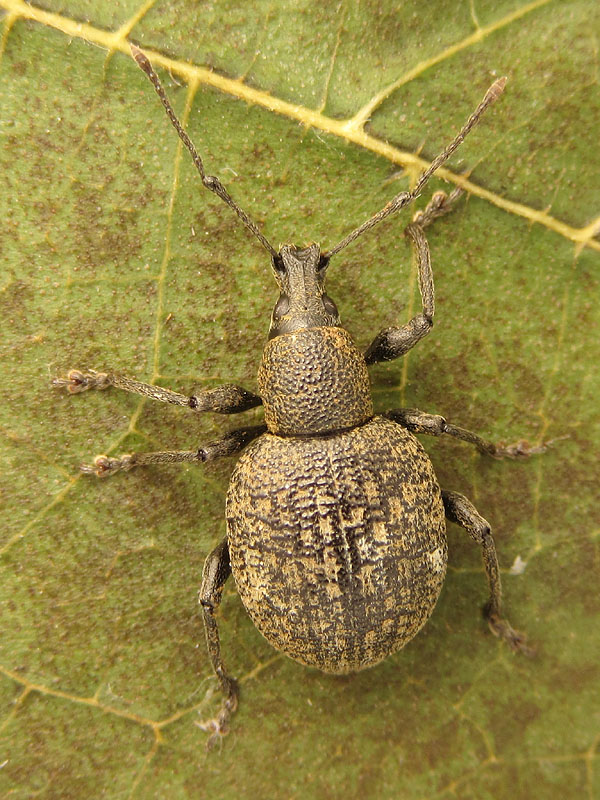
[211, 182]
[404, 198]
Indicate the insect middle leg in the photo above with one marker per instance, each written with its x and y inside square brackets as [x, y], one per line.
[461, 511]
[228, 445]
[417, 421]
[226, 399]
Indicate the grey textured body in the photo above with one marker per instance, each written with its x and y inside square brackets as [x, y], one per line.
[338, 542]
[336, 523]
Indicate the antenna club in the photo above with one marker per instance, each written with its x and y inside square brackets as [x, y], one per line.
[496, 89]
[404, 198]
[209, 181]
[141, 59]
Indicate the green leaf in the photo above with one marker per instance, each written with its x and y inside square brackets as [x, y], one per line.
[115, 257]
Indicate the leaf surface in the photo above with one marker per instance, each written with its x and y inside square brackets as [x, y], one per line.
[114, 257]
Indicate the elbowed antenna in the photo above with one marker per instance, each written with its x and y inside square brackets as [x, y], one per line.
[211, 182]
[404, 198]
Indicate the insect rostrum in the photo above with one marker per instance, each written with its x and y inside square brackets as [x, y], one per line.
[336, 532]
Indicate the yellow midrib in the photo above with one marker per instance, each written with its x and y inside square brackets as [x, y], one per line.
[351, 130]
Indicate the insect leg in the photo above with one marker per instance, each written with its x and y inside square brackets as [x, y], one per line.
[230, 444]
[417, 421]
[404, 198]
[226, 399]
[463, 512]
[216, 571]
[391, 343]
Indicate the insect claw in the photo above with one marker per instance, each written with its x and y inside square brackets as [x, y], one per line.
[73, 383]
[216, 730]
[522, 448]
[104, 466]
[515, 639]
[78, 381]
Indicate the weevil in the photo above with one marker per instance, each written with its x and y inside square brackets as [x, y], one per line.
[336, 523]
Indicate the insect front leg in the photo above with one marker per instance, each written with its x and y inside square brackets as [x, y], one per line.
[226, 399]
[391, 343]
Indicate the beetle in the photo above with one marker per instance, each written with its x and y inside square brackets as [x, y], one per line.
[336, 524]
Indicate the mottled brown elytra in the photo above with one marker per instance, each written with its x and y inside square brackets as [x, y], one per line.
[336, 532]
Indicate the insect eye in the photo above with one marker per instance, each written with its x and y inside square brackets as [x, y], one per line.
[281, 307]
[323, 262]
[278, 264]
[329, 306]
